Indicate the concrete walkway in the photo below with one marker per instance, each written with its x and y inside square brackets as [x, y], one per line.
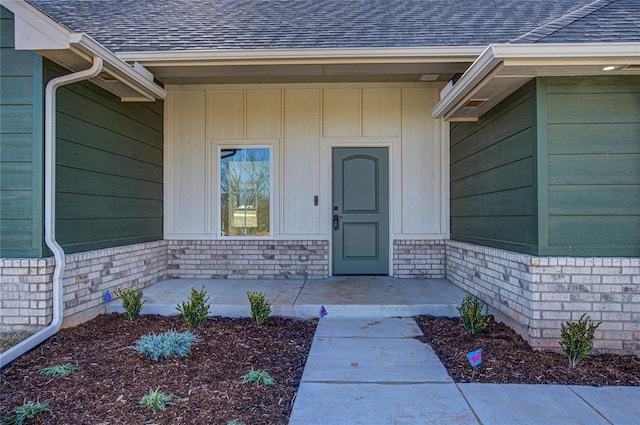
[373, 371]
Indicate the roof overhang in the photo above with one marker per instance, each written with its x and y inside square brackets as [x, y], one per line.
[502, 69]
[39, 33]
[306, 65]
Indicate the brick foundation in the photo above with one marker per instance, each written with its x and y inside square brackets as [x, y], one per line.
[26, 284]
[535, 295]
[419, 259]
[539, 294]
[238, 259]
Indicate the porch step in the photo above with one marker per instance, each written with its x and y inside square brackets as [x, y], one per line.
[343, 297]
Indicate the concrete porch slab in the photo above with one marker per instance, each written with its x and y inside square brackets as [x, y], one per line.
[529, 404]
[358, 360]
[228, 296]
[343, 297]
[620, 405]
[379, 296]
[379, 404]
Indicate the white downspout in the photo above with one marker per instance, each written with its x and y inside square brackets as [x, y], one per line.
[50, 211]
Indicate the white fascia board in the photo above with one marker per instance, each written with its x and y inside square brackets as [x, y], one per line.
[190, 57]
[34, 30]
[532, 55]
[567, 52]
[37, 32]
[140, 81]
[485, 63]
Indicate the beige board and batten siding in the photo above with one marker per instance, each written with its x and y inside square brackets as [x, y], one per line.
[302, 123]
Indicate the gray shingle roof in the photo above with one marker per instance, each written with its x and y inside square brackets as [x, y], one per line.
[162, 25]
[598, 21]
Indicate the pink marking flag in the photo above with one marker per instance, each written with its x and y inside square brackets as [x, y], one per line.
[323, 311]
[475, 357]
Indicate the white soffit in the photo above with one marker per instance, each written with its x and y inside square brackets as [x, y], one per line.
[305, 65]
[37, 32]
[502, 69]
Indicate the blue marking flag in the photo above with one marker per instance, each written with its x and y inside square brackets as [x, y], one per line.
[107, 296]
[475, 357]
[323, 311]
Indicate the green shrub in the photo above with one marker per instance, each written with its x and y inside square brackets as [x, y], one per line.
[473, 314]
[131, 302]
[577, 339]
[156, 400]
[59, 369]
[260, 306]
[165, 345]
[258, 377]
[28, 410]
[196, 309]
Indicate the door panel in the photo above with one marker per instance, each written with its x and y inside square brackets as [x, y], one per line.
[361, 211]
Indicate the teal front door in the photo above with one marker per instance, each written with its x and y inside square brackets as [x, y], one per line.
[360, 211]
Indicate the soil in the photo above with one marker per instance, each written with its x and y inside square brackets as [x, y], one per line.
[112, 377]
[507, 358]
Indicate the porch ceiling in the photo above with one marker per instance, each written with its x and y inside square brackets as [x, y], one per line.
[306, 73]
[306, 65]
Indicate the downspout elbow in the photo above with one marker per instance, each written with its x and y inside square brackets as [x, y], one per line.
[50, 211]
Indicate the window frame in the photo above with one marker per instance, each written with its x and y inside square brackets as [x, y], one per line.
[218, 203]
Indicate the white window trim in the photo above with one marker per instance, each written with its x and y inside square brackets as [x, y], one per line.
[218, 204]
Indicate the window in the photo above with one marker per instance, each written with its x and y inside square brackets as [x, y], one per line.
[245, 191]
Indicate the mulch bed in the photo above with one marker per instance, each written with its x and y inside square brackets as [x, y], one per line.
[507, 358]
[112, 378]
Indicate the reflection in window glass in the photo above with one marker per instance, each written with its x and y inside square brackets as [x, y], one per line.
[245, 191]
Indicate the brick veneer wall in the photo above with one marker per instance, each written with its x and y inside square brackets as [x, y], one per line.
[25, 293]
[26, 288]
[238, 259]
[419, 259]
[540, 293]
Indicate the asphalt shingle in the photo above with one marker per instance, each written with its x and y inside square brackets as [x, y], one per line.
[598, 21]
[170, 25]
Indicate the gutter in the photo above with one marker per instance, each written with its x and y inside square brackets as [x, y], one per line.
[292, 56]
[500, 57]
[50, 211]
[37, 32]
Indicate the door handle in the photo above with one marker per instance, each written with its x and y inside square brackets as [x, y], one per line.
[336, 221]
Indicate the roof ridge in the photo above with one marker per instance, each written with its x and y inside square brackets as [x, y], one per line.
[561, 22]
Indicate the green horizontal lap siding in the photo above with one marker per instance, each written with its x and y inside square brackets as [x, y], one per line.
[594, 166]
[109, 168]
[21, 147]
[493, 176]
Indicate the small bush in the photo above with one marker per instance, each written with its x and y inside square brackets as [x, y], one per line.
[196, 309]
[156, 400]
[258, 377]
[59, 369]
[28, 410]
[165, 345]
[473, 314]
[577, 339]
[131, 302]
[260, 306]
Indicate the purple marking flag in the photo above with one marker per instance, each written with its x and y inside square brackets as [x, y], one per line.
[323, 311]
[107, 296]
[475, 357]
